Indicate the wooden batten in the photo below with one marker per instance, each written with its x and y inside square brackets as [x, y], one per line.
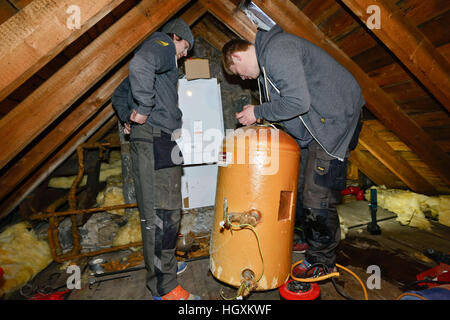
[374, 170]
[25, 44]
[234, 19]
[195, 12]
[394, 162]
[410, 45]
[53, 97]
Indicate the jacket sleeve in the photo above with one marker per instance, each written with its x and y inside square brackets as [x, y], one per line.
[119, 101]
[285, 67]
[143, 68]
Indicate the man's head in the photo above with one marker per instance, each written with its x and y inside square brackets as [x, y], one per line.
[181, 35]
[239, 58]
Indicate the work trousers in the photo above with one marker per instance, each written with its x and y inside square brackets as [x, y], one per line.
[158, 195]
[321, 180]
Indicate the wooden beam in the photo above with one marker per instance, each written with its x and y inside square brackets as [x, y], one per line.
[25, 41]
[410, 45]
[374, 170]
[6, 11]
[104, 116]
[291, 19]
[232, 17]
[53, 97]
[211, 34]
[394, 162]
[20, 4]
[195, 12]
[58, 135]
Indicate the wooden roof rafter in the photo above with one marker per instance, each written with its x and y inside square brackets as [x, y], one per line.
[410, 45]
[25, 44]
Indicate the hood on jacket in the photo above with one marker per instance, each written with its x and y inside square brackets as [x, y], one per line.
[263, 38]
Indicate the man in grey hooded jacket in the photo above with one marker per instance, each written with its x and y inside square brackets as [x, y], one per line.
[319, 103]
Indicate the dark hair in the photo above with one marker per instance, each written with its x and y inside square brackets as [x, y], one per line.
[232, 46]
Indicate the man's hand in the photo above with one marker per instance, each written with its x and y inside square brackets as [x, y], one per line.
[247, 115]
[126, 128]
[137, 117]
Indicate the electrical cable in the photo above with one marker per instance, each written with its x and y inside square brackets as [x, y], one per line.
[411, 294]
[328, 276]
[243, 283]
[406, 287]
[314, 279]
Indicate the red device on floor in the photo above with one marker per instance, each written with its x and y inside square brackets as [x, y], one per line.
[295, 290]
[438, 273]
[52, 296]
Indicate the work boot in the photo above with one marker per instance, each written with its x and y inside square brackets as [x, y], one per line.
[181, 267]
[305, 270]
[177, 294]
[299, 246]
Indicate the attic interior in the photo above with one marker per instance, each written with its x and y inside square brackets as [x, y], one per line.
[56, 117]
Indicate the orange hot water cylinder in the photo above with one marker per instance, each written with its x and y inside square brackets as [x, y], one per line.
[260, 176]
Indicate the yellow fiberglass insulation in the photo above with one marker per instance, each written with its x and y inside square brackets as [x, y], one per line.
[114, 167]
[413, 208]
[131, 232]
[112, 195]
[22, 256]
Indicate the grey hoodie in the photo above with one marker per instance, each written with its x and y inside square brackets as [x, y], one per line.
[151, 87]
[310, 93]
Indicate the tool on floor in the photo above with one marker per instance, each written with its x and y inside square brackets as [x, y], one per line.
[119, 271]
[372, 227]
[95, 265]
[93, 281]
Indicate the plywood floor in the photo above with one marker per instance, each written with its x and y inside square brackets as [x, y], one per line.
[398, 252]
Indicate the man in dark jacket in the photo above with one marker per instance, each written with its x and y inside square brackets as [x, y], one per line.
[319, 103]
[147, 104]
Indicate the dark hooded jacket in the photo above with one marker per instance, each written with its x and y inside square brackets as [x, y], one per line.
[310, 93]
[151, 87]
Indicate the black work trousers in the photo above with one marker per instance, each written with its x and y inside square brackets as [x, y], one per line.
[158, 194]
[321, 180]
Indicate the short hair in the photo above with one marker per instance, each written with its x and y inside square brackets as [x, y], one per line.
[232, 46]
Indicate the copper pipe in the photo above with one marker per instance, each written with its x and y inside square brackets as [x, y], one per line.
[42, 216]
[56, 217]
[71, 255]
